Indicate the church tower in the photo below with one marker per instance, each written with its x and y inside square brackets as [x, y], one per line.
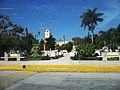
[47, 33]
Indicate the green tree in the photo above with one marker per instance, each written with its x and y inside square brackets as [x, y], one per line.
[41, 44]
[50, 43]
[27, 42]
[63, 47]
[58, 47]
[14, 37]
[77, 40]
[118, 34]
[109, 38]
[35, 51]
[90, 19]
[69, 46]
[5, 22]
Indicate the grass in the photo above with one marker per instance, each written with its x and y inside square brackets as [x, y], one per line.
[113, 58]
[31, 59]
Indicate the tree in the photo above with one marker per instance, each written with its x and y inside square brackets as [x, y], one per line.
[5, 41]
[69, 46]
[27, 42]
[41, 44]
[50, 43]
[90, 19]
[4, 22]
[77, 40]
[63, 47]
[35, 51]
[109, 38]
[14, 37]
[58, 47]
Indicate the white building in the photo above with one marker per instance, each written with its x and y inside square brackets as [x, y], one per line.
[61, 42]
[47, 33]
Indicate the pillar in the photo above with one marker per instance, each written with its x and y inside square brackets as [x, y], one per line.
[18, 57]
[6, 56]
[104, 56]
[119, 55]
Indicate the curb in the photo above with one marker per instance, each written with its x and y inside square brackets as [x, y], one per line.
[62, 68]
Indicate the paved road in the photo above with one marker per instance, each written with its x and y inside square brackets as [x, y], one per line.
[69, 81]
[9, 78]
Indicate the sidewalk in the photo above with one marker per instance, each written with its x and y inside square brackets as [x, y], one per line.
[64, 64]
[62, 61]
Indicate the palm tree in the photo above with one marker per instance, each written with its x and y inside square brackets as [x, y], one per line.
[5, 22]
[90, 19]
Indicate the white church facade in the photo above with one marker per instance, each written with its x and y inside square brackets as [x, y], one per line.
[47, 33]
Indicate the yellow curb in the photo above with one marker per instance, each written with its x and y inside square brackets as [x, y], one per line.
[5, 67]
[63, 68]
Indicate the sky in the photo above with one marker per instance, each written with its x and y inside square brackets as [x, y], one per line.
[61, 16]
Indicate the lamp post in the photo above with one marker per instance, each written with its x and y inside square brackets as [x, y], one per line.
[64, 39]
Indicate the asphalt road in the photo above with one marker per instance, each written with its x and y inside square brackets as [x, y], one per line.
[9, 78]
[69, 81]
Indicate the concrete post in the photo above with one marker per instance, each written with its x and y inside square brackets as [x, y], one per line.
[18, 57]
[104, 55]
[119, 55]
[6, 56]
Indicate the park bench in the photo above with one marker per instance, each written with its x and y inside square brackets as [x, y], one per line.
[54, 54]
[106, 55]
[45, 55]
[73, 54]
[12, 56]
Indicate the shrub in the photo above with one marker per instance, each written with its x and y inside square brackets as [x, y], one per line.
[85, 50]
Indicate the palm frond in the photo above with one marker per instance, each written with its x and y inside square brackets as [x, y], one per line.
[94, 10]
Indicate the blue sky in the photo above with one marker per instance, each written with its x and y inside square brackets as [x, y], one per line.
[62, 16]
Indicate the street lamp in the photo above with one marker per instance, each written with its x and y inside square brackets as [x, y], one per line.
[64, 39]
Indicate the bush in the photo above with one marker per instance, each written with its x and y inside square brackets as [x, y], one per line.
[85, 50]
[113, 58]
[87, 58]
[35, 51]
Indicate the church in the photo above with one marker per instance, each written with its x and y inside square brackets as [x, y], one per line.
[48, 33]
